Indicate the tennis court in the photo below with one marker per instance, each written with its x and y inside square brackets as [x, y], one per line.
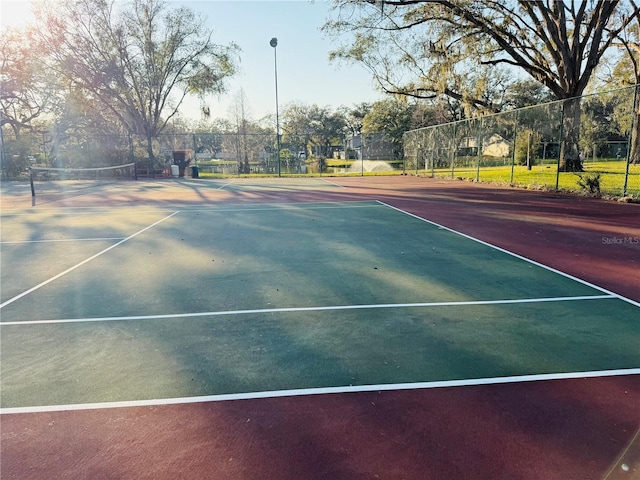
[324, 328]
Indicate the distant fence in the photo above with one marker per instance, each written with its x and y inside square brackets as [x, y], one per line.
[518, 147]
[215, 153]
[230, 152]
[522, 147]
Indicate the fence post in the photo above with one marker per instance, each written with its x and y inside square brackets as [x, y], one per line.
[132, 155]
[479, 148]
[560, 144]
[361, 155]
[454, 151]
[634, 118]
[3, 157]
[33, 191]
[513, 149]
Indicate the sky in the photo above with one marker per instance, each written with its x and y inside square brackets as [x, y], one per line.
[304, 72]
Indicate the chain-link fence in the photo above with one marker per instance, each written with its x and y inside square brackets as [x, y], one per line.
[218, 152]
[29, 149]
[529, 146]
[213, 153]
[521, 147]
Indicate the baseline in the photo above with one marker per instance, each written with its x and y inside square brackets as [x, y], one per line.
[321, 391]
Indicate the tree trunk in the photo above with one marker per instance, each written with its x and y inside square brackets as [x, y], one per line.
[150, 153]
[570, 160]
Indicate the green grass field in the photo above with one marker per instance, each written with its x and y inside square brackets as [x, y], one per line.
[611, 176]
[545, 176]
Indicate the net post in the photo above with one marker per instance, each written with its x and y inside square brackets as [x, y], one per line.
[33, 190]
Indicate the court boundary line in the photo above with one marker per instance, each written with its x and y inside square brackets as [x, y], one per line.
[231, 207]
[69, 211]
[22, 242]
[619, 460]
[333, 183]
[513, 254]
[237, 181]
[256, 207]
[386, 387]
[165, 316]
[84, 262]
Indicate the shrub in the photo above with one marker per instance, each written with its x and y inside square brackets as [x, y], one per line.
[590, 183]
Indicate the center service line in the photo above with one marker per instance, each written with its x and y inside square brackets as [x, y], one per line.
[40, 285]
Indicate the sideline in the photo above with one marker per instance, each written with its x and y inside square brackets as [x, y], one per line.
[533, 262]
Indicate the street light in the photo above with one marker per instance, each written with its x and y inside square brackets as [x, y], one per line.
[274, 44]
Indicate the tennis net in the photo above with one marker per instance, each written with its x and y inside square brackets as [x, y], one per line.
[50, 184]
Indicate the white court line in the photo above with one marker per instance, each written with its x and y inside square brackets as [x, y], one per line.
[73, 211]
[252, 183]
[61, 274]
[321, 391]
[308, 309]
[22, 242]
[285, 206]
[333, 183]
[240, 207]
[533, 262]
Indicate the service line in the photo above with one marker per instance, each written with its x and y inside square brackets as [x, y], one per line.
[22, 242]
[309, 309]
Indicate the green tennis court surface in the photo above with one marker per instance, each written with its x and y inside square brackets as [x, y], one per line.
[149, 304]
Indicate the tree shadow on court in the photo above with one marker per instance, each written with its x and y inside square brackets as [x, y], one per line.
[556, 429]
[250, 262]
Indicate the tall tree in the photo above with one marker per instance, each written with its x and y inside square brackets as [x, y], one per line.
[238, 114]
[26, 91]
[354, 116]
[391, 117]
[139, 59]
[430, 47]
[526, 93]
[313, 126]
[626, 73]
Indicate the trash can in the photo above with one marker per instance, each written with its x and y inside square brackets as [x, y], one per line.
[175, 170]
[194, 171]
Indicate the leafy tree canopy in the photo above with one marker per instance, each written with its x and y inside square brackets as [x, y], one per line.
[138, 59]
[465, 48]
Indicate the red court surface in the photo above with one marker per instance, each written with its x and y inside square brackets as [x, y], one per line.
[556, 429]
[573, 429]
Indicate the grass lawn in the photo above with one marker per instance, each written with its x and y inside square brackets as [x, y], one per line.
[612, 175]
[544, 176]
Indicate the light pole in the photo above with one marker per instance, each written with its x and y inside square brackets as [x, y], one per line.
[274, 44]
